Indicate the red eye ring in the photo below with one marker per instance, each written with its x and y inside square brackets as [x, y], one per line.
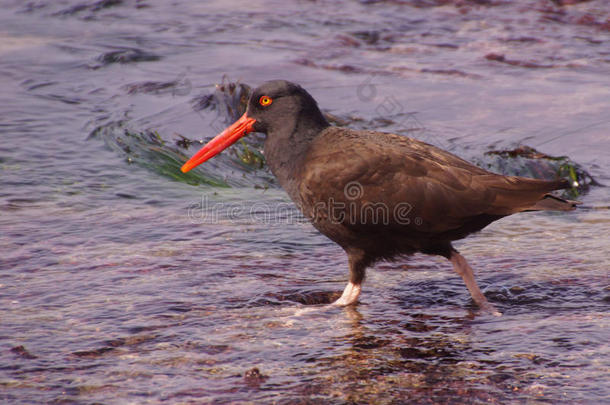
[265, 100]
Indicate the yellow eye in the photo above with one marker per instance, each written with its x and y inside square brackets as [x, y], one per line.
[265, 100]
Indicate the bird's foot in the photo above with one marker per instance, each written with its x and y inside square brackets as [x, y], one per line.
[489, 308]
[349, 296]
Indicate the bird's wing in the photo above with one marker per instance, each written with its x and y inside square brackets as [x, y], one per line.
[376, 177]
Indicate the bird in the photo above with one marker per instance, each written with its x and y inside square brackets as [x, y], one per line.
[379, 196]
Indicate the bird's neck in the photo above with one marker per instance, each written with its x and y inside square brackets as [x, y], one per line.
[286, 148]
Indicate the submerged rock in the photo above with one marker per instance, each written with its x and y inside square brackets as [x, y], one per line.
[21, 351]
[526, 161]
[91, 7]
[127, 55]
[254, 377]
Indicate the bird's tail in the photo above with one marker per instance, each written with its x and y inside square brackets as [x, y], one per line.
[549, 202]
[519, 194]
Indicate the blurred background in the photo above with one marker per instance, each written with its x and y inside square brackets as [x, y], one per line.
[123, 280]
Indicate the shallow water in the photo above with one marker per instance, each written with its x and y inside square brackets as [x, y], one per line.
[124, 281]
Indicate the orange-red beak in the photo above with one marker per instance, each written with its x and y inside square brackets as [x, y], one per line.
[226, 138]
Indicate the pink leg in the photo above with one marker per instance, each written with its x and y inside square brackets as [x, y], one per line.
[461, 267]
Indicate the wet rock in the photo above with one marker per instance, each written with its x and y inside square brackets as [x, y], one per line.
[130, 340]
[450, 72]
[345, 40]
[416, 353]
[534, 358]
[22, 352]
[112, 346]
[526, 161]
[500, 377]
[93, 353]
[329, 66]
[229, 100]
[568, 2]
[524, 40]
[92, 7]
[178, 87]
[419, 326]
[127, 55]
[501, 58]
[517, 290]
[254, 377]
[369, 37]
[307, 298]
[367, 342]
[523, 151]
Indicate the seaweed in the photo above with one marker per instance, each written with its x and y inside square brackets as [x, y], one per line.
[526, 161]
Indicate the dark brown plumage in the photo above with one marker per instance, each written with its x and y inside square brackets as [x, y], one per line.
[379, 195]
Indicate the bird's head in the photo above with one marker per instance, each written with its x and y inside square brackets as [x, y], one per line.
[273, 105]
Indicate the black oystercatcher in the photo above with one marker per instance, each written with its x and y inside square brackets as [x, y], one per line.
[378, 195]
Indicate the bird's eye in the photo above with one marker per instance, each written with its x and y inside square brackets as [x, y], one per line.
[265, 100]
